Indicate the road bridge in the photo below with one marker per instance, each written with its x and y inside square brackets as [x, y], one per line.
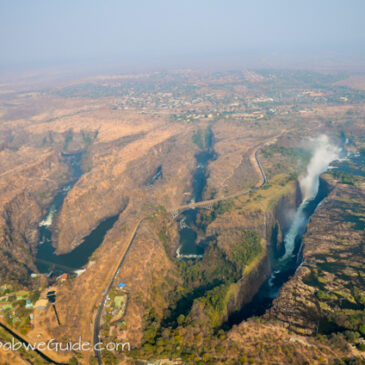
[208, 204]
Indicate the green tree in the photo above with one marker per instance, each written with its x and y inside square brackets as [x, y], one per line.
[180, 320]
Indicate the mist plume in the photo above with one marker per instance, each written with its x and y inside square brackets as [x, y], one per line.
[323, 154]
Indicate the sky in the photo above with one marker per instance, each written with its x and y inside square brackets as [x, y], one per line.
[175, 33]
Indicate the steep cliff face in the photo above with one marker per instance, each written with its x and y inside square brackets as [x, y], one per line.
[26, 191]
[279, 219]
[248, 286]
[275, 219]
[324, 294]
[122, 169]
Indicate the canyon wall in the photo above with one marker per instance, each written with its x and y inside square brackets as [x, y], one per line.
[248, 286]
[26, 192]
[318, 297]
[122, 169]
[278, 216]
[279, 219]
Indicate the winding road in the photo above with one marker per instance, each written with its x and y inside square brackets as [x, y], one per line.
[204, 203]
[263, 180]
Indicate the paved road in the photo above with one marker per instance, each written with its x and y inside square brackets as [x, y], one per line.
[180, 208]
[106, 292]
[231, 196]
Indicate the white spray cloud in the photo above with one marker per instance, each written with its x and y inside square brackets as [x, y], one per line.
[323, 155]
[297, 227]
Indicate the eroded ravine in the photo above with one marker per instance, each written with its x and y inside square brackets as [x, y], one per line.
[282, 269]
[46, 259]
[313, 191]
[188, 247]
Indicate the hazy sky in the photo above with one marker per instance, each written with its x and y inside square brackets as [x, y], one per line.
[36, 33]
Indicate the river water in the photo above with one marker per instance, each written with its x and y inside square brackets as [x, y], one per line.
[46, 259]
[188, 246]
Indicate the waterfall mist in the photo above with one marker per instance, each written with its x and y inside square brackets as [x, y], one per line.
[324, 152]
[314, 190]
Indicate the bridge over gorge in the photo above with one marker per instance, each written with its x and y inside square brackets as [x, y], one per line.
[207, 204]
[54, 265]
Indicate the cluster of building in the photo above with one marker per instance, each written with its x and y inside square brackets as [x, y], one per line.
[205, 99]
[115, 307]
[17, 306]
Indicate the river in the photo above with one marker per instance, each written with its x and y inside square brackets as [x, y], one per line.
[188, 247]
[46, 259]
